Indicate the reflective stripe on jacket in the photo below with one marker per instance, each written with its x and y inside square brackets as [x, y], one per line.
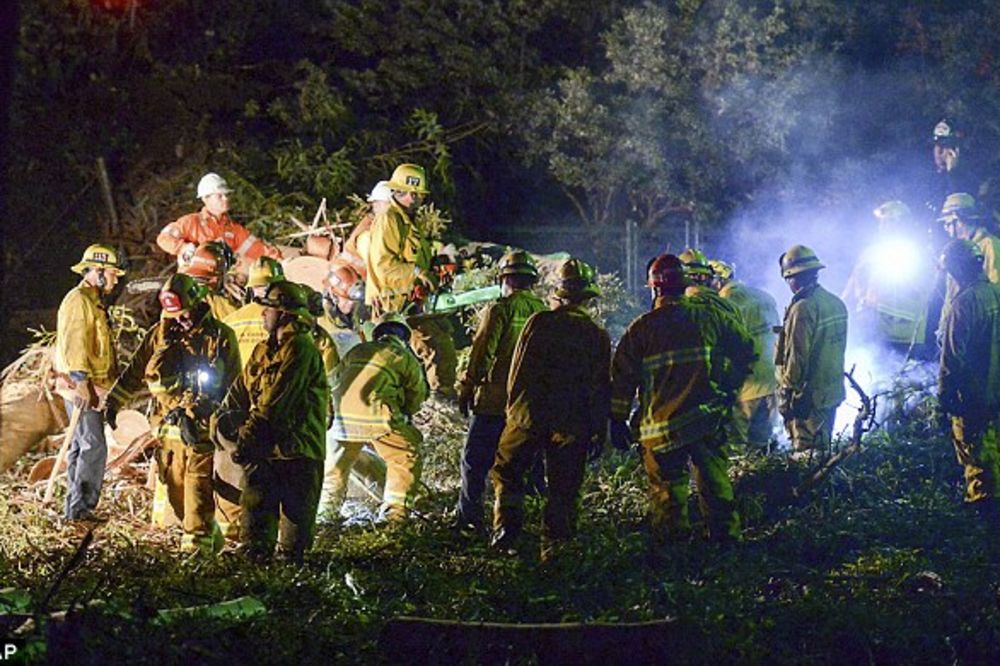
[396, 248]
[493, 347]
[83, 336]
[759, 313]
[559, 375]
[377, 387]
[686, 358]
[810, 351]
[969, 376]
[248, 325]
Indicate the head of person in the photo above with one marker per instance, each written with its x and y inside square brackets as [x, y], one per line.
[666, 276]
[180, 299]
[696, 265]
[946, 138]
[961, 215]
[285, 303]
[577, 282]
[800, 267]
[962, 260]
[264, 272]
[101, 266]
[214, 193]
[892, 217]
[343, 288]
[722, 273]
[408, 186]
[209, 263]
[380, 197]
[391, 324]
[517, 271]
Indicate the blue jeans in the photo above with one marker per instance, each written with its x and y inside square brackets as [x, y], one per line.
[88, 453]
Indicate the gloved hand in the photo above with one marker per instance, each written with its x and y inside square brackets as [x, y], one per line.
[86, 395]
[621, 436]
[465, 403]
[179, 417]
[185, 254]
[111, 414]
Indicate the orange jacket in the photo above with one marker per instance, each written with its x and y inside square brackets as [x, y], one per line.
[201, 227]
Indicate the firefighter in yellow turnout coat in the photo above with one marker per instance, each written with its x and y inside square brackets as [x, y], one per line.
[557, 406]
[377, 388]
[281, 404]
[187, 361]
[687, 358]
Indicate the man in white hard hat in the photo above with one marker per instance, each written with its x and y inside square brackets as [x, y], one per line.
[181, 237]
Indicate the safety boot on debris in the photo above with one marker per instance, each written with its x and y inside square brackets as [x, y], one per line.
[505, 540]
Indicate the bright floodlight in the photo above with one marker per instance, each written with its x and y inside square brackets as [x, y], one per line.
[896, 261]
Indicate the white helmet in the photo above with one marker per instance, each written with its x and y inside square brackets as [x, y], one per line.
[211, 183]
[380, 192]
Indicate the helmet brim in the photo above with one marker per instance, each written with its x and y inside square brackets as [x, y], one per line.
[403, 187]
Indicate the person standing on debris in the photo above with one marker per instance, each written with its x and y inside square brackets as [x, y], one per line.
[187, 361]
[377, 389]
[969, 375]
[483, 389]
[400, 277]
[754, 411]
[209, 265]
[687, 359]
[248, 321]
[810, 354]
[181, 237]
[278, 407]
[85, 365]
[557, 406]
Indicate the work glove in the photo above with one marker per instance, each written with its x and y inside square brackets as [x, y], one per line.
[86, 395]
[621, 436]
[111, 414]
[179, 417]
[253, 443]
[465, 403]
[185, 255]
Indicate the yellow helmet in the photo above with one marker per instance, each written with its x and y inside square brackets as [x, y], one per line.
[695, 262]
[892, 211]
[265, 271]
[576, 280]
[721, 269]
[391, 323]
[959, 206]
[100, 256]
[798, 259]
[409, 178]
[288, 297]
[518, 262]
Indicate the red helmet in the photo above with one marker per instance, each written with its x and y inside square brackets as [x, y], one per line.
[666, 272]
[209, 262]
[344, 282]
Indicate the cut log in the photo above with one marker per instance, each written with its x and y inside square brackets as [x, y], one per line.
[307, 270]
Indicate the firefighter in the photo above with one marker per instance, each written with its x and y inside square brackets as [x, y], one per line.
[963, 219]
[400, 277]
[810, 354]
[951, 173]
[377, 389]
[753, 413]
[557, 406]
[687, 359]
[343, 299]
[698, 271]
[85, 368]
[969, 379]
[278, 408]
[888, 288]
[248, 321]
[181, 237]
[483, 388]
[187, 360]
[324, 341]
[209, 265]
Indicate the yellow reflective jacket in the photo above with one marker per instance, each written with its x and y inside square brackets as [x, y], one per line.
[377, 387]
[492, 350]
[248, 325]
[284, 392]
[969, 379]
[219, 305]
[686, 357]
[810, 352]
[397, 252]
[560, 374]
[83, 336]
[192, 370]
[759, 313]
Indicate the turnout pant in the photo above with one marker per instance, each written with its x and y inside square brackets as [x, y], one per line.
[88, 453]
[813, 432]
[279, 507]
[670, 475]
[433, 344]
[399, 450]
[752, 422]
[976, 448]
[186, 472]
[565, 458]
